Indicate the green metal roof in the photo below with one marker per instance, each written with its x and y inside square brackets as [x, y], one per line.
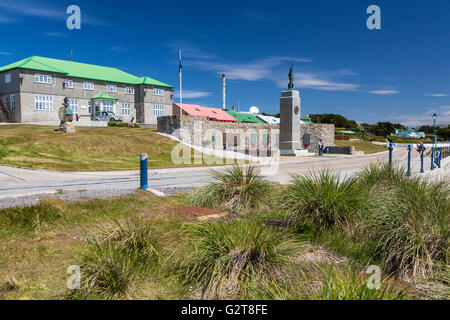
[81, 70]
[104, 96]
[244, 117]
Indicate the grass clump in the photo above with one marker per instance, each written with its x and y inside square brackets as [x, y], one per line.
[28, 219]
[113, 259]
[382, 173]
[347, 284]
[410, 221]
[236, 189]
[224, 257]
[324, 199]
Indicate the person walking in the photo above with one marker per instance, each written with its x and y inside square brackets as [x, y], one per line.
[421, 148]
[320, 147]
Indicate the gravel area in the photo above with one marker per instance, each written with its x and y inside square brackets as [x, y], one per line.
[27, 201]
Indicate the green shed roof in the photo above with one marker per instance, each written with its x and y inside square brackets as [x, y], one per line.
[81, 70]
[244, 117]
[105, 96]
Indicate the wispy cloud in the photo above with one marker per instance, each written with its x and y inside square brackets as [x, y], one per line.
[384, 92]
[55, 34]
[425, 118]
[191, 94]
[119, 48]
[256, 15]
[6, 19]
[190, 50]
[4, 53]
[438, 95]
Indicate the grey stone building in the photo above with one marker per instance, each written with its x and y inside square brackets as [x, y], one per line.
[33, 89]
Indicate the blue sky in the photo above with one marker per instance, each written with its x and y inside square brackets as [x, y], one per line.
[400, 73]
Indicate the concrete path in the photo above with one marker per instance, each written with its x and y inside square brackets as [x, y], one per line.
[16, 182]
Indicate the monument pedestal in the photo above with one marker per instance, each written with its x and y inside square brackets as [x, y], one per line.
[290, 107]
[67, 127]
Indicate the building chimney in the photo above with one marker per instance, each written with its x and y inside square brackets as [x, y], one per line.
[224, 91]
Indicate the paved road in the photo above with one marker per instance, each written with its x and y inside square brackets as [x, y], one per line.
[16, 182]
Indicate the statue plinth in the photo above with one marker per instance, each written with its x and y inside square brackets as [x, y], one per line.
[290, 110]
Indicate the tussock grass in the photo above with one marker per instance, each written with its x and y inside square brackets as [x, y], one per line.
[382, 173]
[410, 221]
[324, 199]
[237, 189]
[223, 257]
[117, 256]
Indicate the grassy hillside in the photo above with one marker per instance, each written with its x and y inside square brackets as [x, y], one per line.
[89, 149]
[366, 146]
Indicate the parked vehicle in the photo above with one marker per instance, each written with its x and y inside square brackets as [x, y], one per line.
[107, 116]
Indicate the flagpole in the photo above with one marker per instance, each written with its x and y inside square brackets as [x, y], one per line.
[181, 87]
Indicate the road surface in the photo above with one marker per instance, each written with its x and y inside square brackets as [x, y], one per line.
[15, 182]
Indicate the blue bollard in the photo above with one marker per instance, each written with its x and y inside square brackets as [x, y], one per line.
[391, 148]
[432, 158]
[440, 157]
[422, 170]
[409, 159]
[144, 171]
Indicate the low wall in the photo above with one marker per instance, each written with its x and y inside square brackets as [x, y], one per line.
[341, 150]
[317, 132]
[56, 124]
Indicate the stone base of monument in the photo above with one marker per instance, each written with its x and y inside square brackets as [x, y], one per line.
[296, 153]
[67, 127]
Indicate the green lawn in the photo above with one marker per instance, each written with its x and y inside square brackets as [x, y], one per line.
[89, 149]
[366, 146]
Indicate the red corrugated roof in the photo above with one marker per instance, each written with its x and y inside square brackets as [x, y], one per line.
[212, 113]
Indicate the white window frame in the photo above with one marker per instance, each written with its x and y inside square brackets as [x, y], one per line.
[73, 103]
[42, 78]
[68, 83]
[158, 110]
[12, 102]
[129, 90]
[88, 85]
[109, 106]
[126, 109]
[8, 78]
[111, 88]
[158, 92]
[43, 102]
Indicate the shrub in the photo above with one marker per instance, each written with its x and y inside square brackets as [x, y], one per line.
[411, 224]
[119, 254]
[121, 124]
[237, 189]
[323, 198]
[223, 257]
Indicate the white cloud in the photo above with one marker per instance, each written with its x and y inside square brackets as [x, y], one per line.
[425, 118]
[191, 94]
[255, 15]
[55, 34]
[384, 92]
[438, 95]
[188, 50]
[119, 48]
[4, 53]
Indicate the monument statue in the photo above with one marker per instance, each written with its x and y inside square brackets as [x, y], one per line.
[66, 116]
[291, 78]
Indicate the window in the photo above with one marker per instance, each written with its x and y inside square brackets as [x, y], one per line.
[5, 100]
[73, 103]
[126, 109]
[42, 102]
[129, 90]
[88, 86]
[12, 102]
[90, 107]
[42, 78]
[108, 105]
[68, 83]
[8, 78]
[158, 110]
[158, 92]
[111, 88]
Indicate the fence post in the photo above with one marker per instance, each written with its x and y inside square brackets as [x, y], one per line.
[391, 148]
[432, 158]
[409, 159]
[440, 157]
[144, 172]
[421, 161]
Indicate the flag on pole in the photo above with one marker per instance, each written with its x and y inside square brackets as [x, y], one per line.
[180, 69]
